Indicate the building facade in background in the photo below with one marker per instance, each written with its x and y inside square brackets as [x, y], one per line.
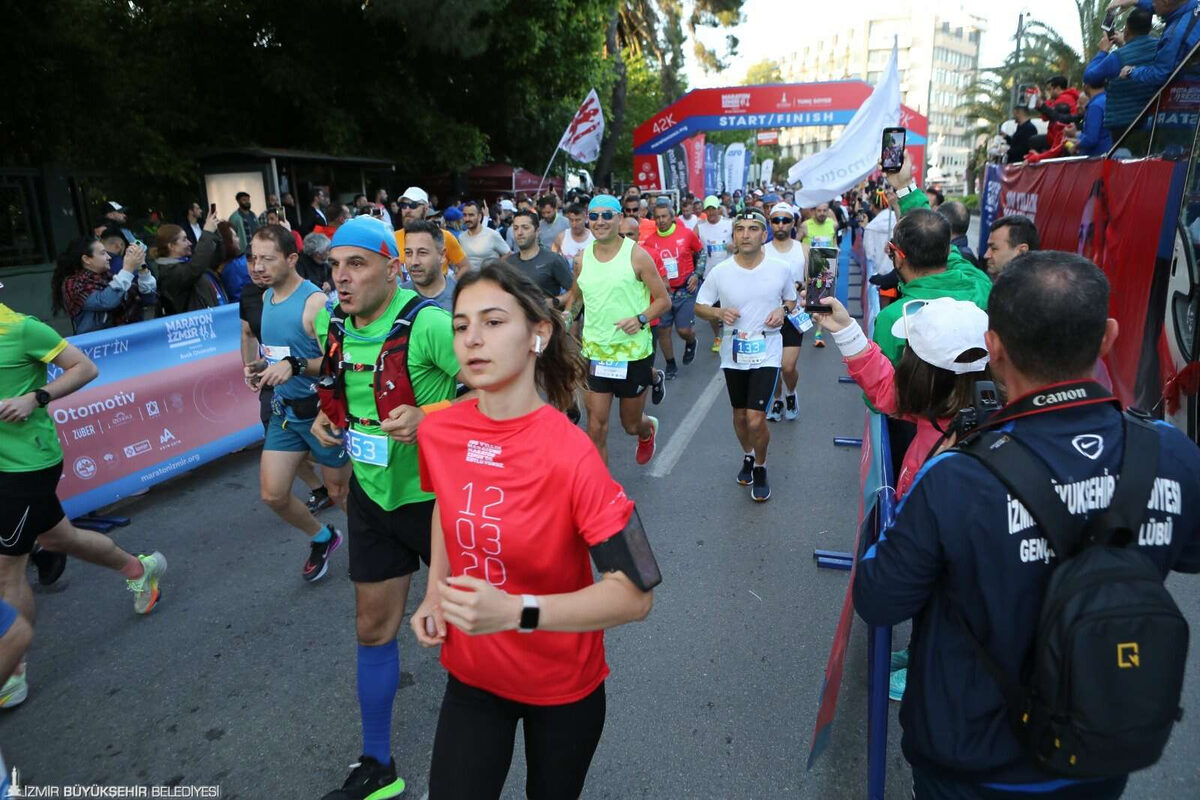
[938, 58]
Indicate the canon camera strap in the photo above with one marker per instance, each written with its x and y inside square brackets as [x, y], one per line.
[1055, 397]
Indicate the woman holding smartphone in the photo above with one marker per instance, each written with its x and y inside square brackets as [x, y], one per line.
[523, 500]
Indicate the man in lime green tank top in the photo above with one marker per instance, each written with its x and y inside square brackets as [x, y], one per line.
[616, 280]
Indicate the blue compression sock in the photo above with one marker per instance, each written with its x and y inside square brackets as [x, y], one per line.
[378, 679]
[324, 535]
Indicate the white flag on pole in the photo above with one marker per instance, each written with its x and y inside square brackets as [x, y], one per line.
[581, 140]
[854, 155]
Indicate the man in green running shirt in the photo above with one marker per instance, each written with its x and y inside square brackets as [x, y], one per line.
[616, 280]
[388, 515]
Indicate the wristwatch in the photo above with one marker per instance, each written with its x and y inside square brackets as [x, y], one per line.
[643, 320]
[42, 397]
[554, 301]
[530, 612]
[907, 190]
[297, 365]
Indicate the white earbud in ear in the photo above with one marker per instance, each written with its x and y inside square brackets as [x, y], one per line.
[537, 346]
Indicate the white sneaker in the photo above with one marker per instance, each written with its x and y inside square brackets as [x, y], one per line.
[15, 690]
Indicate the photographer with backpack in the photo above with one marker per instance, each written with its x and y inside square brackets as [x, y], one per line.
[1047, 656]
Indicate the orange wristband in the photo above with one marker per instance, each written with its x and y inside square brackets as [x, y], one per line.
[438, 406]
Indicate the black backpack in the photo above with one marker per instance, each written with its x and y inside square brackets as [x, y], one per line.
[1100, 689]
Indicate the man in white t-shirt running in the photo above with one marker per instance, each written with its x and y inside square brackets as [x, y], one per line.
[791, 252]
[756, 292]
[716, 234]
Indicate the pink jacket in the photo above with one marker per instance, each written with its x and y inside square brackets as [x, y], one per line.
[876, 376]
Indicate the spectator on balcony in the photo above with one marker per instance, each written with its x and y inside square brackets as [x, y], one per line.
[91, 295]
[1180, 34]
[1019, 142]
[1094, 139]
[1133, 46]
[1059, 109]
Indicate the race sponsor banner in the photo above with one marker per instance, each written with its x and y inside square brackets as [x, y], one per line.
[824, 175]
[1124, 216]
[170, 397]
[720, 170]
[766, 106]
[712, 181]
[768, 167]
[675, 168]
[696, 152]
[735, 167]
[766, 138]
[648, 172]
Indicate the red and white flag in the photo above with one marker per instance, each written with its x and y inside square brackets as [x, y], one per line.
[582, 138]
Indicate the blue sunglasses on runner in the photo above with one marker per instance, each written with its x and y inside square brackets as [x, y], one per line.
[604, 215]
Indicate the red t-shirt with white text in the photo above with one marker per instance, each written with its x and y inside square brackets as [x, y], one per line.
[520, 502]
[674, 253]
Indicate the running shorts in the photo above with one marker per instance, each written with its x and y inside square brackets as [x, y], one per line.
[386, 544]
[30, 508]
[638, 377]
[295, 436]
[751, 389]
[683, 310]
[791, 336]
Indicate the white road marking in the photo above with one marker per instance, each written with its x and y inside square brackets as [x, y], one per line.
[666, 460]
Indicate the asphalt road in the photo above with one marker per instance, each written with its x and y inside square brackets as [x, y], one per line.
[244, 676]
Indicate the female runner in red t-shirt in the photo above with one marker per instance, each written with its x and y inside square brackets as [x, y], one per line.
[523, 500]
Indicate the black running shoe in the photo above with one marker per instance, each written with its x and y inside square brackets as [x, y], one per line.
[672, 371]
[369, 779]
[658, 387]
[318, 558]
[761, 491]
[318, 500]
[745, 476]
[50, 565]
[689, 352]
[573, 414]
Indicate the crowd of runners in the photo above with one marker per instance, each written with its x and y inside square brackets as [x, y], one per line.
[434, 395]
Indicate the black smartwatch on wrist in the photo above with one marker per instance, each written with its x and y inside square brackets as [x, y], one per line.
[643, 320]
[297, 365]
[42, 397]
[530, 614]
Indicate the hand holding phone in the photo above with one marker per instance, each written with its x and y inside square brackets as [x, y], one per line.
[892, 152]
[816, 291]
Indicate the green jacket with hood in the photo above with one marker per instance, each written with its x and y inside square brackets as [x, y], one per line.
[961, 280]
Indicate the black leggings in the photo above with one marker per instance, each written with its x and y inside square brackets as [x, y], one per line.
[473, 748]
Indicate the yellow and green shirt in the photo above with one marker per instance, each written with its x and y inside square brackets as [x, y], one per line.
[27, 345]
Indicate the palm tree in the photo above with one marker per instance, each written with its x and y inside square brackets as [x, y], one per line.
[1044, 53]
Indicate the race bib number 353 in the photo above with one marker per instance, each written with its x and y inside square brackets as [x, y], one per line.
[367, 448]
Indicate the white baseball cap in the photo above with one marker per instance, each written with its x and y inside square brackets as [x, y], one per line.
[783, 208]
[416, 194]
[941, 331]
[507, 205]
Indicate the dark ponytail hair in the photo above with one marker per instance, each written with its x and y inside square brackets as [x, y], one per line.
[561, 369]
[69, 260]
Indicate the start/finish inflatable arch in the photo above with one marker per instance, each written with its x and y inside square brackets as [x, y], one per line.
[670, 152]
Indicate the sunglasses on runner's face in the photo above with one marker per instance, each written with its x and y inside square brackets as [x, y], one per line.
[781, 220]
[892, 250]
[407, 204]
[633, 209]
[604, 215]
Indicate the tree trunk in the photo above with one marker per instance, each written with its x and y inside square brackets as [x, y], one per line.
[612, 131]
